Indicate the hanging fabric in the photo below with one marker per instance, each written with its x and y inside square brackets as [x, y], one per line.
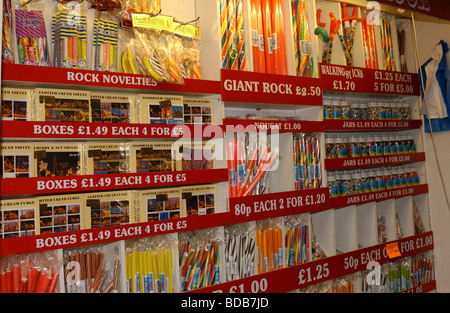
[435, 75]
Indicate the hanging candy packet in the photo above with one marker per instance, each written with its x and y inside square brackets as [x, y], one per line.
[155, 46]
[240, 252]
[151, 264]
[7, 33]
[69, 35]
[199, 253]
[187, 44]
[30, 273]
[130, 62]
[105, 34]
[296, 239]
[31, 35]
[104, 43]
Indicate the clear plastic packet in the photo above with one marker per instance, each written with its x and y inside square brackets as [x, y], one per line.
[323, 287]
[187, 42]
[240, 251]
[306, 151]
[105, 36]
[200, 258]
[31, 35]
[30, 273]
[297, 239]
[269, 245]
[422, 268]
[130, 62]
[89, 270]
[7, 33]
[69, 35]
[151, 264]
[155, 46]
[250, 159]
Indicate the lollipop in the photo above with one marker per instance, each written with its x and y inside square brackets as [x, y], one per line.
[186, 62]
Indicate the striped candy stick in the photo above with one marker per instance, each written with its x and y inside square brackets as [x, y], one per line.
[391, 47]
[34, 35]
[367, 58]
[281, 37]
[260, 36]
[231, 38]
[254, 36]
[275, 38]
[267, 28]
[295, 30]
[346, 24]
[334, 26]
[304, 40]
[337, 25]
[242, 59]
[348, 57]
[374, 51]
[21, 33]
[383, 42]
[224, 31]
[354, 20]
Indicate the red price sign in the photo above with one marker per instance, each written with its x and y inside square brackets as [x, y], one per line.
[278, 204]
[355, 79]
[239, 86]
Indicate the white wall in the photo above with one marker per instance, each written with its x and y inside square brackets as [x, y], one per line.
[428, 35]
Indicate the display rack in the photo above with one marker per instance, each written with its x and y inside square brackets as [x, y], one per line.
[244, 101]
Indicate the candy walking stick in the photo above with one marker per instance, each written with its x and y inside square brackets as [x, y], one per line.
[323, 35]
[241, 56]
[354, 20]
[224, 31]
[337, 24]
[334, 27]
[231, 35]
[346, 24]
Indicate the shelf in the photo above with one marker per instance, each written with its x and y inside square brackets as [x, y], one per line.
[88, 183]
[75, 131]
[251, 87]
[245, 209]
[310, 273]
[369, 125]
[17, 73]
[274, 125]
[427, 287]
[359, 199]
[101, 235]
[341, 78]
[348, 163]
